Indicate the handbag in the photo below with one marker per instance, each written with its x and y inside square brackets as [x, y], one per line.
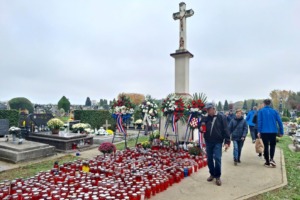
[259, 145]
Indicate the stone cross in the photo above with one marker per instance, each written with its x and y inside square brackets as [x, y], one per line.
[106, 125]
[182, 15]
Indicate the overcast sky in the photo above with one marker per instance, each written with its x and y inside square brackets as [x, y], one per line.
[242, 49]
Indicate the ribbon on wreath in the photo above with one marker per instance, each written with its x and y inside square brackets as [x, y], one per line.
[174, 123]
[120, 124]
[146, 120]
[200, 135]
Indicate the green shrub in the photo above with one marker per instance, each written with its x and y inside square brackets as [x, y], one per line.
[96, 118]
[285, 119]
[21, 103]
[11, 115]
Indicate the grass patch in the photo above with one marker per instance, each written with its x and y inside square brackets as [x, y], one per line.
[131, 142]
[32, 169]
[65, 119]
[292, 165]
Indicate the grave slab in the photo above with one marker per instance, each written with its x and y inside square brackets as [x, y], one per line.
[13, 152]
[63, 141]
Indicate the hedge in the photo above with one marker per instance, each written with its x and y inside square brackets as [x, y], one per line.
[285, 119]
[96, 118]
[11, 115]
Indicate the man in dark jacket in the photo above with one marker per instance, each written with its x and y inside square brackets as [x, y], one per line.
[238, 130]
[268, 119]
[216, 134]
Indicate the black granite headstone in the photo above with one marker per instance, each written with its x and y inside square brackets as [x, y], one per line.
[4, 126]
[40, 119]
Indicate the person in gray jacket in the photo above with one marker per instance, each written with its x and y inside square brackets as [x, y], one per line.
[238, 131]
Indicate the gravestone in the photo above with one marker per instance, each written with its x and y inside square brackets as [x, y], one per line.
[40, 119]
[4, 126]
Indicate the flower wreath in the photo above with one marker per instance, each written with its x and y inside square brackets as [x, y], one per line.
[149, 111]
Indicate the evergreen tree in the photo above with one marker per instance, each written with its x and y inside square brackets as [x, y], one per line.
[226, 106]
[64, 103]
[88, 102]
[105, 102]
[21, 103]
[219, 107]
[101, 102]
[245, 106]
[253, 104]
[288, 114]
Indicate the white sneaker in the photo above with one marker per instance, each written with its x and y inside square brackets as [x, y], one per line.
[272, 163]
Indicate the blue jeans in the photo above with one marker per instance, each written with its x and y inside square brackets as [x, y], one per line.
[252, 132]
[237, 149]
[214, 156]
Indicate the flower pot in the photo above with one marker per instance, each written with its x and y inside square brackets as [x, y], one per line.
[139, 126]
[55, 131]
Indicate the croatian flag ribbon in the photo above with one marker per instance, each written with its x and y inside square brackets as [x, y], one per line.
[120, 124]
[174, 123]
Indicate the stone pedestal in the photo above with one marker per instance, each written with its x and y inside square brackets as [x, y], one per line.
[63, 141]
[182, 60]
[13, 152]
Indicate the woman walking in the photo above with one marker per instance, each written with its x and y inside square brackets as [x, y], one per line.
[238, 131]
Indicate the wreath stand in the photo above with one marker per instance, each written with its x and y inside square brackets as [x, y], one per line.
[151, 132]
[166, 135]
[124, 135]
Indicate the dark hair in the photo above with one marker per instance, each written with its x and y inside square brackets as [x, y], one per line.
[267, 102]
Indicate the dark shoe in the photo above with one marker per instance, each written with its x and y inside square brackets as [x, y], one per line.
[235, 162]
[218, 182]
[239, 161]
[211, 178]
[267, 165]
[272, 163]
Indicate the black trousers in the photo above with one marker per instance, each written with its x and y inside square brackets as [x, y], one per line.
[269, 140]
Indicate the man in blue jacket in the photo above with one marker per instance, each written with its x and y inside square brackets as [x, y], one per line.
[268, 119]
[250, 123]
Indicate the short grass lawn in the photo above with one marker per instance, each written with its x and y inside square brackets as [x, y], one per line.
[131, 142]
[33, 169]
[292, 164]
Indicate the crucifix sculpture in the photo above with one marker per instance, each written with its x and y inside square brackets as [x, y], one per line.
[182, 15]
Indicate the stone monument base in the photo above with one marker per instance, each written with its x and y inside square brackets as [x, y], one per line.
[63, 142]
[13, 152]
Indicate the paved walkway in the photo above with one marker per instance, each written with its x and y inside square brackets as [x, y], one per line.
[246, 180]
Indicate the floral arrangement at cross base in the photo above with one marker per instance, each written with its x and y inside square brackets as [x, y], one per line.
[173, 105]
[149, 111]
[121, 111]
[15, 132]
[55, 124]
[107, 148]
[122, 106]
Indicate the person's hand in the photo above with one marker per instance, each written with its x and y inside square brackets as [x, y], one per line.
[226, 147]
[242, 138]
[258, 135]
